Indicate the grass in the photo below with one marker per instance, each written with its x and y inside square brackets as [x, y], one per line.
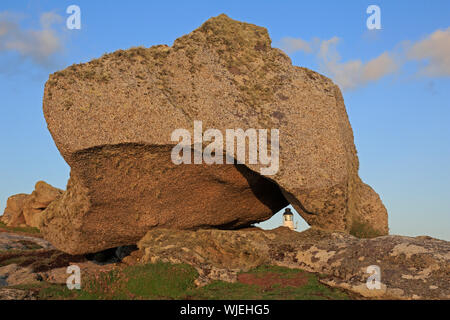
[161, 280]
[47, 291]
[20, 229]
[176, 281]
[282, 271]
[363, 230]
[312, 290]
[150, 281]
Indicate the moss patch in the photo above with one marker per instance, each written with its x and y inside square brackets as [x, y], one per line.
[363, 230]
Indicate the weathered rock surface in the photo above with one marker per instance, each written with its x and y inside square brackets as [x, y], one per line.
[13, 214]
[28, 260]
[410, 268]
[12, 275]
[25, 209]
[15, 294]
[112, 120]
[38, 201]
[10, 241]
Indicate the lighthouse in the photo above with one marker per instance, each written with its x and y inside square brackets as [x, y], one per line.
[288, 219]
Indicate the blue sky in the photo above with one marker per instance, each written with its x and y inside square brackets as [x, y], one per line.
[398, 108]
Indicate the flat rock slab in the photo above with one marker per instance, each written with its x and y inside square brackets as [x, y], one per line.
[409, 268]
[11, 241]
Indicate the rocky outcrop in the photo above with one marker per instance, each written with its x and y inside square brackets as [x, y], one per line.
[410, 268]
[38, 201]
[25, 209]
[13, 214]
[112, 120]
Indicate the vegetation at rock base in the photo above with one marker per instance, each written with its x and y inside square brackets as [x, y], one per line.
[363, 230]
[19, 229]
[176, 281]
[312, 289]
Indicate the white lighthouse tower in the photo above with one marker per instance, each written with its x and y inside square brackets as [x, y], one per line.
[288, 219]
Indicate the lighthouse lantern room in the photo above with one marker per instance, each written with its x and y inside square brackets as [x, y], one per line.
[288, 219]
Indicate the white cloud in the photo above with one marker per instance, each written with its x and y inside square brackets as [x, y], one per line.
[347, 75]
[47, 19]
[37, 45]
[435, 51]
[291, 45]
[327, 49]
[377, 68]
[355, 73]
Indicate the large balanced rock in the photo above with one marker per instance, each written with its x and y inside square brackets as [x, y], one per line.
[407, 268]
[112, 120]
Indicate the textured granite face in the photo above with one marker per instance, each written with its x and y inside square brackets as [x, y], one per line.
[112, 120]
